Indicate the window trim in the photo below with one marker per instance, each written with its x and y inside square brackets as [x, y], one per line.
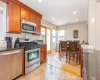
[4, 22]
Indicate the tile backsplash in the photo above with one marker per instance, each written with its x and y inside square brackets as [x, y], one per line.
[22, 35]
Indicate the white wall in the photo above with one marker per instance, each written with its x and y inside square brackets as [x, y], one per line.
[91, 22]
[94, 23]
[82, 28]
[97, 28]
[46, 23]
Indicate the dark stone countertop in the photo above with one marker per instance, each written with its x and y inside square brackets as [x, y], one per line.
[42, 44]
[6, 49]
[91, 61]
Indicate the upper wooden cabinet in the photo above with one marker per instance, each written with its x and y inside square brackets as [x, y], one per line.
[13, 17]
[32, 17]
[24, 14]
[38, 22]
[18, 11]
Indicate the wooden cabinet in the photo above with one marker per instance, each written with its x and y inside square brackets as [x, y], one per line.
[13, 17]
[43, 53]
[38, 22]
[32, 17]
[11, 64]
[24, 14]
[18, 11]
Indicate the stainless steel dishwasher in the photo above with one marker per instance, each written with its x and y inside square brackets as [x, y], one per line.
[10, 64]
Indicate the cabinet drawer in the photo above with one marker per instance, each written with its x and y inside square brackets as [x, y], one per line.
[42, 47]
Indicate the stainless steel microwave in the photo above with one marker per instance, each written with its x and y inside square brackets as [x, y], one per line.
[28, 27]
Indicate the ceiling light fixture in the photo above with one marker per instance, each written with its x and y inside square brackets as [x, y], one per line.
[77, 19]
[92, 20]
[40, 1]
[74, 12]
[53, 18]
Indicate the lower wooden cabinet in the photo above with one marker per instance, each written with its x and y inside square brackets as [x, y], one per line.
[11, 64]
[43, 53]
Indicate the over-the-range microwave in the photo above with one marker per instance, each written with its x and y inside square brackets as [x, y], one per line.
[28, 27]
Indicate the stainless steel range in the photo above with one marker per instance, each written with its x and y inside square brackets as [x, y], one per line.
[32, 60]
[32, 54]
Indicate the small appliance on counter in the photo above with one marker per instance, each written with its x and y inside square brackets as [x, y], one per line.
[16, 44]
[9, 42]
[32, 53]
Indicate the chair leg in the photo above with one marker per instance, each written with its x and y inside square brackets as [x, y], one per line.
[76, 58]
[69, 57]
[66, 55]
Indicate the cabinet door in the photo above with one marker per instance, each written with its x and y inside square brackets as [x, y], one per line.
[38, 22]
[32, 17]
[24, 14]
[42, 54]
[11, 64]
[13, 17]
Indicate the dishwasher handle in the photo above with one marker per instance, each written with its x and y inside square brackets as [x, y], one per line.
[9, 53]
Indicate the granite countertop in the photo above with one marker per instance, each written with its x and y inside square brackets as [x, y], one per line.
[91, 61]
[6, 49]
[43, 44]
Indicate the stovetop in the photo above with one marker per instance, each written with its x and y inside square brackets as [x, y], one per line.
[29, 45]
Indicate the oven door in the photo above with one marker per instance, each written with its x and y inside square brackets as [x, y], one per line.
[32, 57]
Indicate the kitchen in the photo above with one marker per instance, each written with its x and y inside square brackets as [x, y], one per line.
[21, 48]
[30, 40]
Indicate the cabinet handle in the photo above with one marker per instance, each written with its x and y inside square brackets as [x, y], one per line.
[9, 53]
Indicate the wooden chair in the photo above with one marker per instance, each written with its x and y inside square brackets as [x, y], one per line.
[73, 50]
[63, 49]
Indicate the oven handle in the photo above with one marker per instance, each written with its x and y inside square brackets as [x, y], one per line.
[32, 50]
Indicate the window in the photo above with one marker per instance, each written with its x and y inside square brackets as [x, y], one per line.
[2, 21]
[61, 35]
[43, 34]
[54, 36]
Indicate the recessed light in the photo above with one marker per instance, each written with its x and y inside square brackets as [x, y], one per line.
[40, 1]
[53, 18]
[74, 12]
[92, 20]
[77, 19]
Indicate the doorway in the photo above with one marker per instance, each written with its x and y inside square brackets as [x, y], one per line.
[46, 37]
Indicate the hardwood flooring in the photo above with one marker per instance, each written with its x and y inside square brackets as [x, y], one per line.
[50, 71]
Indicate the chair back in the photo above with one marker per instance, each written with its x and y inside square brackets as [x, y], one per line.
[73, 45]
[63, 45]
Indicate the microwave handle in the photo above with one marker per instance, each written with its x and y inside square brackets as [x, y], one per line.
[35, 28]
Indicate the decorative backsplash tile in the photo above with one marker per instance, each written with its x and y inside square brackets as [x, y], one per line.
[22, 35]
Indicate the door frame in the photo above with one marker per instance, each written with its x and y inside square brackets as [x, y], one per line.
[43, 26]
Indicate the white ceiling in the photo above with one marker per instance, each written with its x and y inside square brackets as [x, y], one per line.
[62, 10]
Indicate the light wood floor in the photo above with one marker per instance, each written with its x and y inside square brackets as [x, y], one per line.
[54, 69]
[61, 64]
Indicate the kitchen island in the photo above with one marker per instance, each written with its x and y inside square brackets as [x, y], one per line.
[91, 64]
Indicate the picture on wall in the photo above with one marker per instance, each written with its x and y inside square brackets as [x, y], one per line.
[75, 34]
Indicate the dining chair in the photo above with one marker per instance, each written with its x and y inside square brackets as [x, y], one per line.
[63, 49]
[73, 50]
